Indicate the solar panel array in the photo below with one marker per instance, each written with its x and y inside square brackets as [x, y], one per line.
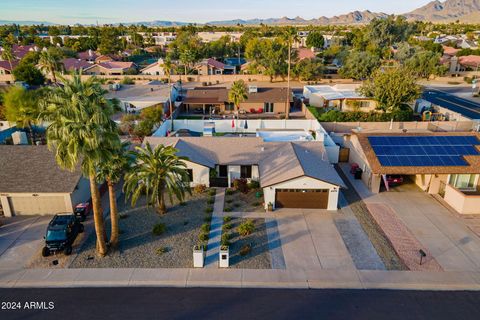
[423, 151]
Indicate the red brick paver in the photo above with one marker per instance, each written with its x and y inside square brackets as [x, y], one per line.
[404, 243]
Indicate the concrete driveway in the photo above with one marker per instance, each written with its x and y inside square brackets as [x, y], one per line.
[20, 239]
[310, 240]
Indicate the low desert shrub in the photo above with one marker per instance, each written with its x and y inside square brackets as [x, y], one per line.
[203, 236]
[159, 229]
[227, 226]
[211, 201]
[229, 192]
[246, 249]
[227, 219]
[212, 192]
[161, 250]
[240, 185]
[208, 210]
[246, 228]
[225, 240]
[229, 200]
[207, 219]
[227, 209]
[205, 228]
[199, 188]
[253, 185]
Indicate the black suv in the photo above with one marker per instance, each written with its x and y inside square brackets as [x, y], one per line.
[61, 233]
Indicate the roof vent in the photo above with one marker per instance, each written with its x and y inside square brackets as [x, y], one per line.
[252, 89]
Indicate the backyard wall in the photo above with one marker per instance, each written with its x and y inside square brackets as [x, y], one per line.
[445, 126]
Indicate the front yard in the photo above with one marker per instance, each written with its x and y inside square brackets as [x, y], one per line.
[236, 201]
[148, 240]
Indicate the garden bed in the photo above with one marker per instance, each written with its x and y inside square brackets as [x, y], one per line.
[258, 256]
[178, 231]
[243, 202]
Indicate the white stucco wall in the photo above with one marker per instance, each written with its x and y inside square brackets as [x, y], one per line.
[303, 183]
[201, 174]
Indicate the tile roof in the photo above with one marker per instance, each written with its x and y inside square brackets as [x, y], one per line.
[470, 61]
[33, 169]
[472, 167]
[450, 50]
[71, 64]
[277, 161]
[305, 53]
[216, 95]
[6, 65]
[116, 65]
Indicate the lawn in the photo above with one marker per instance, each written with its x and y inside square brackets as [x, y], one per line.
[243, 202]
[171, 247]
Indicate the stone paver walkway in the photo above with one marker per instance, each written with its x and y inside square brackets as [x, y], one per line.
[214, 240]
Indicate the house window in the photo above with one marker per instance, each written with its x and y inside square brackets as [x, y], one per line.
[463, 181]
[229, 106]
[268, 107]
[246, 172]
[223, 171]
[364, 104]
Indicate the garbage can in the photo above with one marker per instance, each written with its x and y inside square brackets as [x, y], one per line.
[358, 174]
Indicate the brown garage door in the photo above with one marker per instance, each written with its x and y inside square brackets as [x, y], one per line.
[302, 198]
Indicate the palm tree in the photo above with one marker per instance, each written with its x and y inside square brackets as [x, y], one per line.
[111, 171]
[7, 55]
[156, 172]
[167, 69]
[49, 63]
[238, 93]
[290, 35]
[82, 134]
[187, 57]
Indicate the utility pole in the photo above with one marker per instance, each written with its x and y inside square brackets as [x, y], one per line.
[287, 108]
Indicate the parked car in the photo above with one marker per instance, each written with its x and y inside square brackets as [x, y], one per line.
[82, 210]
[62, 231]
[394, 179]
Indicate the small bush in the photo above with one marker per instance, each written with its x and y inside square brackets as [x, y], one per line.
[253, 185]
[246, 228]
[205, 228]
[240, 185]
[127, 80]
[229, 192]
[236, 205]
[212, 192]
[229, 200]
[227, 219]
[227, 209]
[208, 210]
[203, 236]
[246, 249]
[227, 226]
[225, 241]
[159, 229]
[211, 201]
[199, 188]
[207, 219]
[161, 250]
[183, 204]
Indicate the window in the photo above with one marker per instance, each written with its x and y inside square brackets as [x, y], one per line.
[463, 181]
[246, 172]
[364, 104]
[222, 171]
[268, 107]
[229, 106]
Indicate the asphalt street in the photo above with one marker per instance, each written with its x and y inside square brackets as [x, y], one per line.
[446, 98]
[200, 303]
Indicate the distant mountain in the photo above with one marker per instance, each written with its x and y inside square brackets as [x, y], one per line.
[27, 23]
[447, 11]
[158, 23]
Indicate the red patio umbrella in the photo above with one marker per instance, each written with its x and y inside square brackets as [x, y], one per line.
[233, 123]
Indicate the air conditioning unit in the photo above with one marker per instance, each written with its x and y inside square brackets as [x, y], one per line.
[252, 89]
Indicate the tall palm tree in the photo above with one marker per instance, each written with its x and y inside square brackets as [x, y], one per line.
[238, 93]
[50, 63]
[187, 57]
[82, 134]
[167, 69]
[112, 171]
[290, 35]
[7, 55]
[156, 172]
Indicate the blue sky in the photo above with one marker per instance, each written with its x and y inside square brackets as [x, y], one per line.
[109, 11]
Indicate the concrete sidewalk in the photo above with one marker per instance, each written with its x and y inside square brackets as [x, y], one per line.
[241, 278]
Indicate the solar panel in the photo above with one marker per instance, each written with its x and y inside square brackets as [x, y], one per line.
[423, 150]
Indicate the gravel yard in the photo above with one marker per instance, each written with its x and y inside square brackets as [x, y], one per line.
[140, 248]
[259, 256]
[243, 202]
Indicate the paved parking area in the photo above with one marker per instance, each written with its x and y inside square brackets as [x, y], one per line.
[20, 239]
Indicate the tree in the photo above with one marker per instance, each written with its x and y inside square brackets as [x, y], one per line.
[392, 88]
[238, 93]
[167, 69]
[315, 40]
[111, 171]
[7, 55]
[424, 64]
[156, 172]
[308, 69]
[50, 62]
[82, 133]
[109, 41]
[187, 57]
[22, 108]
[359, 65]
[28, 73]
[268, 55]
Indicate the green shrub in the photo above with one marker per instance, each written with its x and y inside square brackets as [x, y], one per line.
[208, 210]
[240, 185]
[236, 205]
[207, 219]
[211, 201]
[246, 249]
[227, 209]
[229, 192]
[253, 185]
[246, 228]
[212, 192]
[203, 236]
[227, 226]
[159, 229]
[183, 203]
[127, 80]
[205, 228]
[227, 219]
[225, 240]
[229, 200]
[161, 250]
[199, 188]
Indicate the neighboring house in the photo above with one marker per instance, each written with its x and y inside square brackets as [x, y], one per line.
[344, 97]
[447, 164]
[134, 98]
[238, 63]
[105, 58]
[154, 69]
[215, 36]
[89, 55]
[212, 66]
[304, 53]
[32, 183]
[73, 64]
[291, 174]
[215, 99]
[111, 68]
[462, 110]
[5, 67]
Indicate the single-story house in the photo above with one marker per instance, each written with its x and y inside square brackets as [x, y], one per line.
[154, 69]
[291, 174]
[447, 164]
[88, 55]
[215, 99]
[111, 68]
[6, 68]
[344, 97]
[461, 110]
[305, 53]
[212, 66]
[73, 64]
[32, 183]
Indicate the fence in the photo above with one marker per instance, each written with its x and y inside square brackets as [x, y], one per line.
[436, 126]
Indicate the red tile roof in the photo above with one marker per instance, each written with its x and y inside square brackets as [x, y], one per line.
[470, 61]
[450, 51]
[116, 65]
[6, 65]
[304, 53]
[71, 64]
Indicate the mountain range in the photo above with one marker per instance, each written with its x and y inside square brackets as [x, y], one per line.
[436, 11]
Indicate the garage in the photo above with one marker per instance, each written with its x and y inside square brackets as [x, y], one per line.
[302, 198]
[39, 205]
